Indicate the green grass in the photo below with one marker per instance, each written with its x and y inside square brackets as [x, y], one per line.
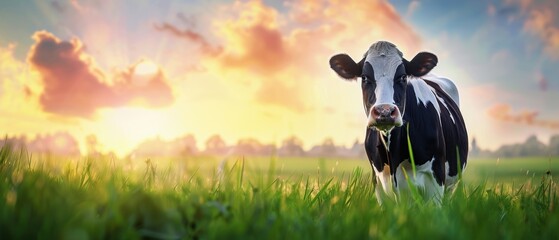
[516, 170]
[298, 198]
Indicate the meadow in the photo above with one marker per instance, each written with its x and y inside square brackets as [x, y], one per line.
[45, 197]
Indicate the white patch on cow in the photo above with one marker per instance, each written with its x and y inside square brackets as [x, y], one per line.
[385, 139]
[424, 180]
[445, 106]
[423, 93]
[385, 58]
[386, 183]
[384, 90]
[449, 181]
[446, 85]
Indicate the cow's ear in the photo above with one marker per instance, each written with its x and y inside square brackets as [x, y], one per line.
[421, 64]
[344, 66]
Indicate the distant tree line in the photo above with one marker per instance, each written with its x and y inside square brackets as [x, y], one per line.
[216, 146]
[63, 143]
[59, 143]
[531, 147]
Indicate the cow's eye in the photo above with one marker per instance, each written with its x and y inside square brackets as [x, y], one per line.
[365, 79]
[401, 79]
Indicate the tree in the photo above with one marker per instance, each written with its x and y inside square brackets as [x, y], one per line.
[533, 147]
[216, 145]
[328, 147]
[248, 146]
[292, 146]
[553, 147]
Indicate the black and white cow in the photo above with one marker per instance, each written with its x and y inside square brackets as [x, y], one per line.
[405, 104]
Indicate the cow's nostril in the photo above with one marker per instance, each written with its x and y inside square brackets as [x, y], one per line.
[394, 113]
[376, 112]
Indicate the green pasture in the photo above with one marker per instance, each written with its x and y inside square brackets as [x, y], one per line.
[515, 170]
[44, 197]
[498, 170]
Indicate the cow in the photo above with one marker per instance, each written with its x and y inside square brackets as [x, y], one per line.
[415, 131]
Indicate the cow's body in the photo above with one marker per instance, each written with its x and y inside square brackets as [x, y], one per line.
[421, 110]
[438, 140]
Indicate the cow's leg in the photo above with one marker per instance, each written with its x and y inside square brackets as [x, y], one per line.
[402, 176]
[385, 190]
[433, 190]
[451, 181]
[423, 180]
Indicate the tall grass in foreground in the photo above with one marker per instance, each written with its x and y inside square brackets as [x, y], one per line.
[102, 199]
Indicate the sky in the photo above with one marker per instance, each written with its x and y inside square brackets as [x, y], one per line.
[125, 71]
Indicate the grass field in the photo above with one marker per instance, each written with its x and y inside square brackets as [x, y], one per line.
[263, 198]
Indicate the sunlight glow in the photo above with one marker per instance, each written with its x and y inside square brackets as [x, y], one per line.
[146, 67]
[129, 126]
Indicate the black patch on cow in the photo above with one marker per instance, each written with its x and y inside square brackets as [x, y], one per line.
[455, 133]
[376, 152]
[346, 67]
[400, 85]
[421, 64]
[368, 85]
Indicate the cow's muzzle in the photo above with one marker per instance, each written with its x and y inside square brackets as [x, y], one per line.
[384, 117]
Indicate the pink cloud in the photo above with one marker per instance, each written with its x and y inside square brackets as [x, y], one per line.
[541, 23]
[191, 36]
[264, 45]
[73, 86]
[504, 113]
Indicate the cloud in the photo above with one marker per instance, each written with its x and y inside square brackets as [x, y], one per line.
[253, 40]
[542, 81]
[504, 113]
[412, 7]
[73, 86]
[542, 23]
[189, 35]
[540, 20]
[281, 55]
[357, 23]
[286, 51]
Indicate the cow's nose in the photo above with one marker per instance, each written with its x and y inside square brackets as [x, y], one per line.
[384, 113]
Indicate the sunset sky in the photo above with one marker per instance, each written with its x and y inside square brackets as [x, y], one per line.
[130, 70]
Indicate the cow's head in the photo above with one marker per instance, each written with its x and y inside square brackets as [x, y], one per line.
[383, 73]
